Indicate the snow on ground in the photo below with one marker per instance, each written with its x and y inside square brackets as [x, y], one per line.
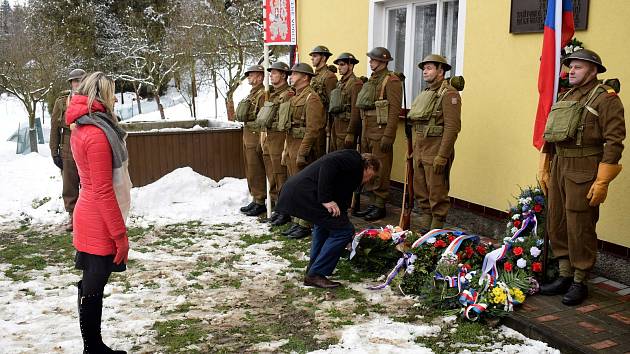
[196, 259]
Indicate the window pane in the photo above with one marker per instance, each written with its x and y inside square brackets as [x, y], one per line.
[397, 22]
[449, 33]
[424, 43]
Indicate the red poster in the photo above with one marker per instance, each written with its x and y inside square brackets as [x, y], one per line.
[280, 22]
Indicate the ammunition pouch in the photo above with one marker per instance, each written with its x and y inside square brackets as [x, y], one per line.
[382, 111]
[365, 98]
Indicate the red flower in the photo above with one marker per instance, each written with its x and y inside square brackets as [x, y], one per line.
[469, 252]
[466, 267]
[517, 223]
[518, 251]
[481, 250]
[537, 267]
[451, 238]
[507, 266]
[538, 208]
[439, 244]
[459, 256]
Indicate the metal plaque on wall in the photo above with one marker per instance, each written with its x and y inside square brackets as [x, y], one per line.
[528, 16]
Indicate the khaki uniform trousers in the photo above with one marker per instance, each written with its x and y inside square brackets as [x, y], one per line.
[430, 189]
[340, 128]
[254, 165]
[372, 144]
[570, 220]
[272, 155]
[69, 174]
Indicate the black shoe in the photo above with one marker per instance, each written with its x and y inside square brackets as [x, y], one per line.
[375, 214]
[256, 210]
[248, 207]
[300, 232]
[557, 287]
[578, 292]
[291, 228]
[90, 312]
[364, 212]
[273, 217]
[281, 220]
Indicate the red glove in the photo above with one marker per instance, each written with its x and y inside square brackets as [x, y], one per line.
[122, 250]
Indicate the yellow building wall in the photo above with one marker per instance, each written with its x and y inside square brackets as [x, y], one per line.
[494, 154]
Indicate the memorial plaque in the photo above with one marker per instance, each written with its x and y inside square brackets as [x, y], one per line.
[528, 16]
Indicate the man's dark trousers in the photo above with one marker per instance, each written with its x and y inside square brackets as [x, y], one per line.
[326, 248]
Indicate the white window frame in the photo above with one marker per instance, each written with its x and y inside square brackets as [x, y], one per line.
[378, 24]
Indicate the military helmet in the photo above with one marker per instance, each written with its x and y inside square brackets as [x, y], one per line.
[346, 57]
[435, 58]
[321, 49]
[380, 54]
[254, 69]
[586, 55]
[279, 65]
[303, 68]
[76, 74]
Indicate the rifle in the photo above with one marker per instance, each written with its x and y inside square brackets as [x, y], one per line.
[355, 205]
[408, 195]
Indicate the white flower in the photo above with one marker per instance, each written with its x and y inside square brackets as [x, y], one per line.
[431, 240]
[508, 225]
[520, 239]
[410, 269]
[516, 216]
[521, 263]
[514, 229]
[469, 276]
[507, 239]
[412, 259]
[534, 251]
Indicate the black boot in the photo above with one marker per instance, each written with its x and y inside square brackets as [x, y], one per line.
[291, 228]
[248, 207]
[557, 287]
[256, 210]
[273, 217]
[300, 232]
[375, 214]
[364, 212]
[90, 312]
[578, 292]
[281, 220]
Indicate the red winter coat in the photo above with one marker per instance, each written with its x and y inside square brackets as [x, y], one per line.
[97, 219]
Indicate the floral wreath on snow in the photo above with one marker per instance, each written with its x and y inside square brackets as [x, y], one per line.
[457, 272]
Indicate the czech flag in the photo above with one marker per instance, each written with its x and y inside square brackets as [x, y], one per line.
[559, 29]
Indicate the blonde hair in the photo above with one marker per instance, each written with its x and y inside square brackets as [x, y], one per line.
[98, 86]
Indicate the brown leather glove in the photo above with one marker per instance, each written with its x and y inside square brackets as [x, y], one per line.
[439, 165]
[301, 161]
[544, 167]
[348, 142]
[605, 174]
[386, 144]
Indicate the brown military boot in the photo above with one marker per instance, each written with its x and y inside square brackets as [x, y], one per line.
[69, 226]
[425, 221]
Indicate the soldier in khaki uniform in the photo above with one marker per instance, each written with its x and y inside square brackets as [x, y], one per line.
[246, 112]
[380, 102]
[436, 116]
[305, 121]
[323, 83]
[575, 170]
[345, 114]
[60, 149]
[273, 141]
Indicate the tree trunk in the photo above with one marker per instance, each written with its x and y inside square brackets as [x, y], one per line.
[136, 89]
[193, 89]
[216, 95]
[32, 132]
[229, 104]
[157, 100]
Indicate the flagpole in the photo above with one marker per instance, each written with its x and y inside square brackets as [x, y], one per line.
[266, 82]
[558, 35]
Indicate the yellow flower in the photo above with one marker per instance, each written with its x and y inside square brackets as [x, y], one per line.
[517, 295]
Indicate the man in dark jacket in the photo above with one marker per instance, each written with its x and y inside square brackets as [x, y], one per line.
[321, 194]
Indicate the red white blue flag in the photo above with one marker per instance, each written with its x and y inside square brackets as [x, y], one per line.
[559, 29]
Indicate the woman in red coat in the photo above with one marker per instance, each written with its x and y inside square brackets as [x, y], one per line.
[100, 234]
